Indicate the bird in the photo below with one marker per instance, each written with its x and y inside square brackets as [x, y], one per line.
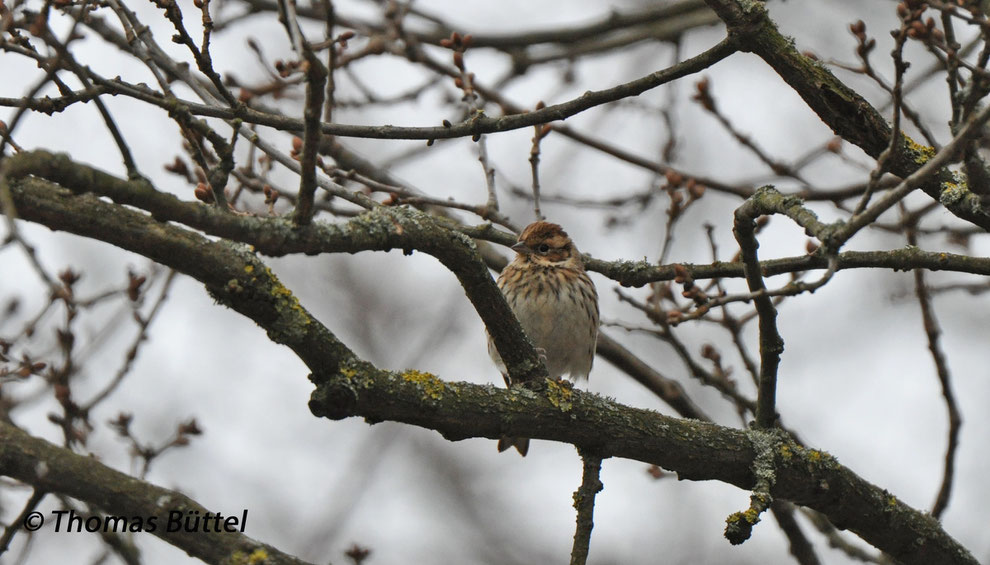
[556, 303]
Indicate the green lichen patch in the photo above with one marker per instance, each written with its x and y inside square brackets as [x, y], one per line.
[234, 286]
[952, 194]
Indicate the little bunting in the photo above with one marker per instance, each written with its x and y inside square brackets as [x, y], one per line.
[556, 303]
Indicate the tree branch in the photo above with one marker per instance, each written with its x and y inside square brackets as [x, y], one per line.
[771, 343]
[648, 16]
[468, 128]
[695, 450]
[848, 114]
[381, 229]
[933, 332]
[50, 468]
[316, 78]
[274, 238]
[584, 503]
[348, 386]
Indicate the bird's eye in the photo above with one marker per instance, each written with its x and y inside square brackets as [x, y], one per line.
[543, 248]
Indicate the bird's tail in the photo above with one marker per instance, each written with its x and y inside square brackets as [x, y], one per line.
[520, 443]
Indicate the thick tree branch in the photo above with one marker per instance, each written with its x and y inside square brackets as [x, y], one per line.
[695, 450]
[220, 245]
[841, 108]
[381, 229]
[348, 386]
[276, 238]
[50, 468]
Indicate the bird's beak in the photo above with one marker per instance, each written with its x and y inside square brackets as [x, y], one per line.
[521, 248]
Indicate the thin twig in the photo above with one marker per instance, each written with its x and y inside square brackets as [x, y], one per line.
[792, 288]
[933, 333]
[541, 131]
[316, 77]
[665, 332]
[9, 210]
[897, 100]
[972, 128]
[15, 526]
[667, 389]
[331, 22]
[801, 548]
[492, 203]
[584, 503]
[144, 322]
[728, 321]
[703, 96]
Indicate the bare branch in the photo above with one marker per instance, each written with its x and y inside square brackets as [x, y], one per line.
[771, 343]
[51, 469]
[584, 503]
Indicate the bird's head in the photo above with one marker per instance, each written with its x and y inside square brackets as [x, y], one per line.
[545, 243]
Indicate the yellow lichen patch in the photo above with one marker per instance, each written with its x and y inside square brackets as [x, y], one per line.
[921, 153]
[348, 372]
[560, 395]
[785, 452]
[750, 516]
[279, 290]
[430, 384]
[822, 458]
[249, 268]
[285, 296]
[257, 557]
